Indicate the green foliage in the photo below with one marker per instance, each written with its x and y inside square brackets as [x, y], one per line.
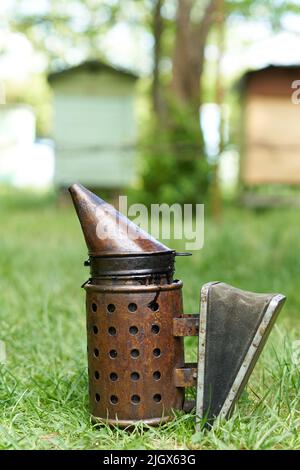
[270, 11]
[174, 165]
[68, 31]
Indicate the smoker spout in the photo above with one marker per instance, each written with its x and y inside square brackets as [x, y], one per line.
[107, 232]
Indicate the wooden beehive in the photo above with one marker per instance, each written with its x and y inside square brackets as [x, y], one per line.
[94, 125]
[270, 127]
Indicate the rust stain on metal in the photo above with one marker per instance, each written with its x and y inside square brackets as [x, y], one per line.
[186, 376]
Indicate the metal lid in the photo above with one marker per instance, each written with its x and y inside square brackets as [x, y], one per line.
[137, 265]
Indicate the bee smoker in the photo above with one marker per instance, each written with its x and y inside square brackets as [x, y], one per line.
[136, 326]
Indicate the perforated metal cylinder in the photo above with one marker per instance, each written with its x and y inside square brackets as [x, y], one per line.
[132, 353]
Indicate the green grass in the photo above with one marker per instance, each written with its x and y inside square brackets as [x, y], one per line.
[43, 385]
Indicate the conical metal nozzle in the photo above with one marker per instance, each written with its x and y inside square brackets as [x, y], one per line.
[107, 232]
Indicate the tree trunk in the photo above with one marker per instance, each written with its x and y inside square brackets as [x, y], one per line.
[158, 27]
[188, 57]
[216, 199]
[181, 56]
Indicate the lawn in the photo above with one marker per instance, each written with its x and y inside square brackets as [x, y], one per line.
[43, 384]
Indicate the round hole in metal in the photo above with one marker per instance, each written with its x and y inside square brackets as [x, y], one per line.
[156, 352]
[97, 397]
[133, 330]
[135, 353]
[96, 375]
[95, 329]
[135, 399]
[96, 352]
[114, 399]
[94, 307]
[111, 308]
[132, 307]
[112, 331]
[156, 375]
[154, 306]
[113, 376]
[135, 376]
[113, 353]
[155, 329]
[157, 397]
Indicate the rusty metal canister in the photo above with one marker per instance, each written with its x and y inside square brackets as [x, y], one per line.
[132, 302]
[135, 327]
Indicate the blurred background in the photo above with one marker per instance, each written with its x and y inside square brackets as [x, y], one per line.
[172, 101]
